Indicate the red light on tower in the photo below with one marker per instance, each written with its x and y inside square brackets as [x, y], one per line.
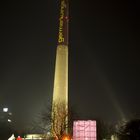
[66, 18]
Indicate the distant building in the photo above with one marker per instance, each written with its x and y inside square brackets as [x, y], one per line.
[36, 137]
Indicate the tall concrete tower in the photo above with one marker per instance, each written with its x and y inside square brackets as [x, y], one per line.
[60, 91]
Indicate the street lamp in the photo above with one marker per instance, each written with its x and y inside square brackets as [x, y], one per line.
[5, 109]
[9, 120]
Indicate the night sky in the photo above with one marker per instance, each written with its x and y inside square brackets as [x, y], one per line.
[104, 58]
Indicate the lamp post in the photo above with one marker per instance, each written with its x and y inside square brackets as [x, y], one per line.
[6, 115]
[5, 109]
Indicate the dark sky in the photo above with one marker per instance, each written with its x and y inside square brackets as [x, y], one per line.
[103, 57]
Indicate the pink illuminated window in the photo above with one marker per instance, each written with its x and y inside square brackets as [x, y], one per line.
[84, 130]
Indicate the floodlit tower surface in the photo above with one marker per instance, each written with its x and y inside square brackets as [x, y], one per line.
[60, 91]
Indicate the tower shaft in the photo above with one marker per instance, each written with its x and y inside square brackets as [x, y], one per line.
[60, 91]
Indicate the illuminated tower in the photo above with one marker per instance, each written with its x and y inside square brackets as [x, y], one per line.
[60, 91]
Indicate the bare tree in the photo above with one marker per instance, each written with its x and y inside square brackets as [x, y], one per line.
[59, 120]
[53, 120]
[130, 130]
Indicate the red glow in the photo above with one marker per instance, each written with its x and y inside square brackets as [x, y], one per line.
[66, 137]
[66, 17]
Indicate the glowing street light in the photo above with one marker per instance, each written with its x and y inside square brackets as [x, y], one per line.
[66, 137]
[5, 109]
[9, 120]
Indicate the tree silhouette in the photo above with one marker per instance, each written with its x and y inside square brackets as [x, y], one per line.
[53, 121]
[130, 130]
